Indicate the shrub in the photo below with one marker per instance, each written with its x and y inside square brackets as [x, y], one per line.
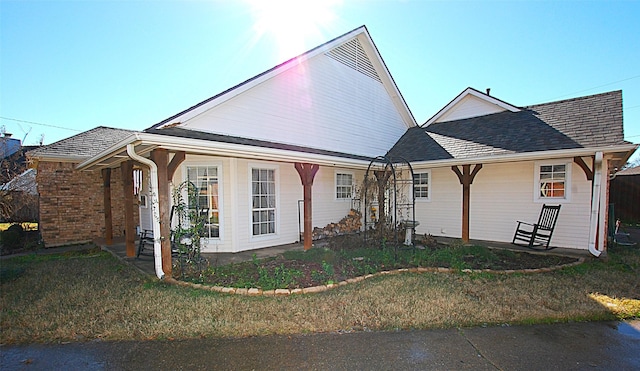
[13, 238]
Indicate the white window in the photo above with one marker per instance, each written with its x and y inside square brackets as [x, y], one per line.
[421, 188]
[263, 200]
[204, 197]
[552, 181]
[344, 186]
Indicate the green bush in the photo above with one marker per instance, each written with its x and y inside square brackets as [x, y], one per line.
[13, 238]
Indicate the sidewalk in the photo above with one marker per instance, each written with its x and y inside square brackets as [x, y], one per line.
[569, 346]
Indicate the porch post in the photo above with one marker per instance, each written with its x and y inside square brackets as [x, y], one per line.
[126, 169]
[307, 172]
[108, 217]
[466, 179]
[161, 158]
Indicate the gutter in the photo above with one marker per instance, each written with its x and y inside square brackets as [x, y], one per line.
[595, 205]
[157, 249]
[527, 156]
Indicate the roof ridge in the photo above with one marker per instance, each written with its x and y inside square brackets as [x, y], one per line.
[574, 99]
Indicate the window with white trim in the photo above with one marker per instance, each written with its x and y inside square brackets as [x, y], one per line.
[263, 196]
[203, 199]
[344, 186]
[552, 181]
[421, 189]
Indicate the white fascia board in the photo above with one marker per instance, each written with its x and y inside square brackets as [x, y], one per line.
[109, 152]
[529, 156]
[259, 79]
[58, 158]
[461, 96]
[387, 80]
[205, 147]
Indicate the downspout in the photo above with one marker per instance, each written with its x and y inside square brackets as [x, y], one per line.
[157, 249]
[595, 205]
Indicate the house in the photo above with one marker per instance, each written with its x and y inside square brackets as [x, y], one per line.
[285, 151]
[71, 202]
[523, 157]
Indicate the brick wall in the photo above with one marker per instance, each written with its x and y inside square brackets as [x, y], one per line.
[71, 204]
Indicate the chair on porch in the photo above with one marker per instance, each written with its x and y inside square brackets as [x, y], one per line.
[539, 234]
[145, 242]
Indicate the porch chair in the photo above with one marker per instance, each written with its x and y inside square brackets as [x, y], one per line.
[146, 241]
[538, 234]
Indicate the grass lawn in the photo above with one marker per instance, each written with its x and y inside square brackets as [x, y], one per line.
[75, 297]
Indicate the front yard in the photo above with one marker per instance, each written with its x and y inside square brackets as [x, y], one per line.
[95, 296]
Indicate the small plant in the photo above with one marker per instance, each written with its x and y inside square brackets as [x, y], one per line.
[280, 278]
[186, 237]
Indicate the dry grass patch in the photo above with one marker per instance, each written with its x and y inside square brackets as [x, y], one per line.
[89, 297]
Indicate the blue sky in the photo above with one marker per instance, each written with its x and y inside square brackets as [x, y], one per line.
[67, 67]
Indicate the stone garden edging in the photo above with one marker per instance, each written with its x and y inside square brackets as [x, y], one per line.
[315, 289]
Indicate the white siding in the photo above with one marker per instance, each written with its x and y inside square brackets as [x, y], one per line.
[442, 215]
[501, 194]
[235, 202]
[470, 106]
[326, 208]
[320, 103]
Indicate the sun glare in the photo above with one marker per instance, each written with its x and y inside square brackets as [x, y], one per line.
[292, 23]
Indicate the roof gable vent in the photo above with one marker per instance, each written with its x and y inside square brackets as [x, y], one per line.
[352, 55]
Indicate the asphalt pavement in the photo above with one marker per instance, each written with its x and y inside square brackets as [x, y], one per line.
[570, 346]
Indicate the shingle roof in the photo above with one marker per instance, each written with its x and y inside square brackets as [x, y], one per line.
[629, 171]
[590, 121]
[192, 134]
[83, 145]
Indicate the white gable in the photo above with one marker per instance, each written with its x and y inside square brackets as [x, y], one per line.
[470, 103]
[337, 97]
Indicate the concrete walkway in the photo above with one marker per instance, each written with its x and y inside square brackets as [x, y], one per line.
[571, 346]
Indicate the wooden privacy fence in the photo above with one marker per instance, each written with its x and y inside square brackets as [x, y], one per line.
[624, 193]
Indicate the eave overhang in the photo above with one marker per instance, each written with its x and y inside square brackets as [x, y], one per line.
[618, 154]
[145, 143]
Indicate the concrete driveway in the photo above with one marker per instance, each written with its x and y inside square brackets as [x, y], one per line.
[573, 346]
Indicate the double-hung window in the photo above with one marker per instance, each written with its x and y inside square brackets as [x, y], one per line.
[344, 186]
[203, 197]
[421, 189]
[263, 199]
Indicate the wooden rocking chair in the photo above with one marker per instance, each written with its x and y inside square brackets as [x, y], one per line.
[538, 234]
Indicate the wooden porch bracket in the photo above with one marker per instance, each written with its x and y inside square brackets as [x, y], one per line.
[177, 159]
[307, 173]
[161, 158]
[108, 215]
[466, 179]
[126, 169]
[588, 172]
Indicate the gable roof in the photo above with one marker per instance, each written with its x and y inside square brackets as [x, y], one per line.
[586, 122]
[375, 68]
[470, 103]
[80, 146]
